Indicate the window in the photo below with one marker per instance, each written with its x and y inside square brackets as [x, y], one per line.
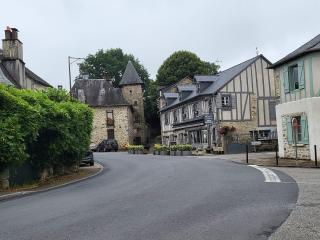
[175, 116]
[110, 120]
[293, 77]
[110, 133]
[301, 134]
[225, 101]
[210, 105]
[166, 118]
[137, 119]
[272, 110]
[184, 113]
[195, 108]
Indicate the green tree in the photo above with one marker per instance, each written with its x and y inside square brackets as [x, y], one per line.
[182, 64]
[113, 62]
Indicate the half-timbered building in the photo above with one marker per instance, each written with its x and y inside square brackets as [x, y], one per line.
[298, 114]
[221, 110]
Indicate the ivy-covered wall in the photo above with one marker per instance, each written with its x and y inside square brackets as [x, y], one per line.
[44, 128]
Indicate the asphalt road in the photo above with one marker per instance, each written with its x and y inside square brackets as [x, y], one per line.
[145, 197]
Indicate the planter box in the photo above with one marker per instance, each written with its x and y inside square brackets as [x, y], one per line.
[165, 153]
[172, 153]
[157, 152]
[178, 153]
[186, 153]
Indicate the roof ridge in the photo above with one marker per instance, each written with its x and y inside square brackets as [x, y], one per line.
[256, 57]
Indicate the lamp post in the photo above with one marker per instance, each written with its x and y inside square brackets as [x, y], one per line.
[72, 60]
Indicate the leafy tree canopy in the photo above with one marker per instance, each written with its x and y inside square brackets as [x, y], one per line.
[182, 64]
[113, 62]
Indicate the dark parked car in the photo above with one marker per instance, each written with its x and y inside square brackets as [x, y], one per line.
[88, 158]
[107, 145]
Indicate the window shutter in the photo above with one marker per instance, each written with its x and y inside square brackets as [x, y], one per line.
[219, 101]
[233, 100]
[301, 74]
[304, 129]
[289, 131]
[285, 80]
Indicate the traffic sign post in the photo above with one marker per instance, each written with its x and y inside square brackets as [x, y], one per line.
[295, 127]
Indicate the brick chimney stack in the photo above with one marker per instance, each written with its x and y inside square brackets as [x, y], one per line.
[12, 56]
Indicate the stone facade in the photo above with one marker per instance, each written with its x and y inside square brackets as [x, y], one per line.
[118, 111]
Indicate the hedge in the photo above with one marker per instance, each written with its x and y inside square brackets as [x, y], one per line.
[46, 128]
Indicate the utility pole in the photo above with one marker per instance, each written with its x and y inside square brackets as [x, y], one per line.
[75, 59]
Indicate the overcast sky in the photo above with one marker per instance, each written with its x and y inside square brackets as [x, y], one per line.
[225, 30]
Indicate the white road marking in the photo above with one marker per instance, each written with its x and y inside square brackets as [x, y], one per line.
[269, 175]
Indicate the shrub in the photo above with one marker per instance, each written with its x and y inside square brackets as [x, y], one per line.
[46, 128]
[185, 147]
[157, 147]
[174, 147]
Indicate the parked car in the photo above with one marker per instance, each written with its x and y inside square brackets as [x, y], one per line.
[88, 158]
[93, 147]
[107, 145]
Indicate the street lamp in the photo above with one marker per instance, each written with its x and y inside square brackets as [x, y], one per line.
[72, 60]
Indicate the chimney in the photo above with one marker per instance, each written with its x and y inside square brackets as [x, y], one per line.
[12, 55]
[11, 45]
[107, 78]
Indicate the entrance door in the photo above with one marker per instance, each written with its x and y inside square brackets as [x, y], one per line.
[110, 133]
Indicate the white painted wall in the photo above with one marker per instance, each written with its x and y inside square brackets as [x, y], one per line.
[310, 107]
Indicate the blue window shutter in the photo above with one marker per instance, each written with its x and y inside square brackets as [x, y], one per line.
[285, 79]
[289, 131]
[304, 129]
[301, 74]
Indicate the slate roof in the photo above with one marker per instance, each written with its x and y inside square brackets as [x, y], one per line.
[312, 46]
[130, 76]
[35, 77]
[97, 93]
[218, 81]
[222, 78]
[5, 77]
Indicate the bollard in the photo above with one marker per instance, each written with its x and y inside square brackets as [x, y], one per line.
[277, 156]
[247, 154]
[315, 155]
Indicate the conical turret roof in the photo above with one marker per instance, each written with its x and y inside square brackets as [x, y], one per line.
[130, 76]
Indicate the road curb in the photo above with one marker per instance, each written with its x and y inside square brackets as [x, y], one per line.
[15, 195]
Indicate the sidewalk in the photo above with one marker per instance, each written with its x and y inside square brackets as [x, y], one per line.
[304, 220]
[262, 159]
[52, 183]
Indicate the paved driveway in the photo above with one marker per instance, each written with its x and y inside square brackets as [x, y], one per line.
[145, 197]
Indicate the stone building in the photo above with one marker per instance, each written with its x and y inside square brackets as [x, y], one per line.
[12, 67]
[221, 111]
[298, 114]
[118, 112]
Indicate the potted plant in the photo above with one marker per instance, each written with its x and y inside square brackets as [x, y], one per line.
[186, 150]
[164, 150]
[156, 149]
[173, 149]
[179, 150]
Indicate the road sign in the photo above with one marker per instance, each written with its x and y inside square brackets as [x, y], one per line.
[208, 119]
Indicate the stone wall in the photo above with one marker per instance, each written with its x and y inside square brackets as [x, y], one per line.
[133, 95]
[122, 127]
